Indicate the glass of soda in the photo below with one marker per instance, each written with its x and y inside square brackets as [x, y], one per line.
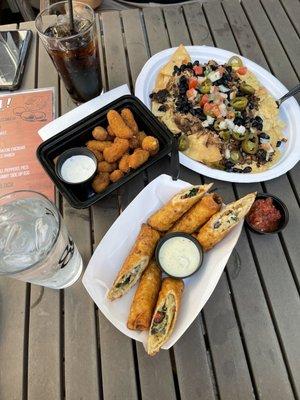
[73, 50]
[35, 245]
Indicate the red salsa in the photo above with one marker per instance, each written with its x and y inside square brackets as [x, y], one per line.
[264, 216]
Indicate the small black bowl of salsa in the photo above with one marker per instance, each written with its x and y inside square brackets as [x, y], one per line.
[268, 214]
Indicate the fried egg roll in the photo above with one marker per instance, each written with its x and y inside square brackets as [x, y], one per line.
[145, 298]
[222, 222]
[135, 263]
[165, 217]
[165, 314]
[200, 213]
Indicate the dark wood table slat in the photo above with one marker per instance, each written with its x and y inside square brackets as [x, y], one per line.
[285, 31]
[270, 44]
[196, 22]
[231, 368]
[257, 326]
[44, 354]
[243, 33]
[157, 35]
[14, 315]
[80, 340]
[219, 27]
[177, 29]
[114, 49]
[292, 8]
[135, 42]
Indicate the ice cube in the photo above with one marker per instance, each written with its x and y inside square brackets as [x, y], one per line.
[20, 239]
[20, 261]
[42, 234]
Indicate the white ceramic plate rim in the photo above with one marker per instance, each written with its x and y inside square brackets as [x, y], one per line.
[289, 112]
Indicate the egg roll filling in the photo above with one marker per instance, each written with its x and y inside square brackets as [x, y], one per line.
[131, 277]
[163, 318]
[190, 193]
[229, 217]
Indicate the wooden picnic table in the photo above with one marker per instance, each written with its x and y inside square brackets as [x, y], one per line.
[245, 344]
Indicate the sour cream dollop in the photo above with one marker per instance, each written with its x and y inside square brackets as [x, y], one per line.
[179, 256]
[78, 168]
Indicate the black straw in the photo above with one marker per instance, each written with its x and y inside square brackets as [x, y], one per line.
[72, 28]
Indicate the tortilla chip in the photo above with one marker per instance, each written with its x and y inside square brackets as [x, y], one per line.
[200, 150]
[181, 56]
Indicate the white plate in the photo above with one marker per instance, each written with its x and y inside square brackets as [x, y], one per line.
[116, 244]
[289, 112]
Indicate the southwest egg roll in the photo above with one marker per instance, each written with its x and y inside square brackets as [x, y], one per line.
[222, 222]
[145, 298]
[165, 217]
[198, 214]
[135, 263]
[165, 314]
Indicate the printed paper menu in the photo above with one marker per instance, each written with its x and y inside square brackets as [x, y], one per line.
[22, 114]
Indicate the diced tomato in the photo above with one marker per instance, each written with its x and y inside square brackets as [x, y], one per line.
[191, 94]
[158, 317]
[242, 70]
[198, 70]
[207, 108]
[204, 99]
[216, 111]
[193, 82]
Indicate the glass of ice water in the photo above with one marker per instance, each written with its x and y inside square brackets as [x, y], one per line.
[35, 245]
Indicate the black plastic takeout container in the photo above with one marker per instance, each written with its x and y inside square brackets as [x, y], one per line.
[168, 236]
[279, 204]
[78, 134]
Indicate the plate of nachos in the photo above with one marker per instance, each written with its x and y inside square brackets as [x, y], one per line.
[223, 108]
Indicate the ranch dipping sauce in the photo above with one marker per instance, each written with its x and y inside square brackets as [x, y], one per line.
[78, 168]
[179, 256]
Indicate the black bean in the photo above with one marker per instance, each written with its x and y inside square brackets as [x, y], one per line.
[162, 108]
[238, 121]
[217, 224]
[196, 63]
[238, 170]
[247, 170]
[160, 96]
[264, 135]
[261, 155]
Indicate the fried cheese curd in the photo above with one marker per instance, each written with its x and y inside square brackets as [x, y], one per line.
[124, 163]
[138, 158]
[118, 125]
[98, 154]
[98, 145]
[114, 152]
[99, 133]
[150, 144]
[105, 166]
[100, 182]
[116, 175]
[129, 120]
